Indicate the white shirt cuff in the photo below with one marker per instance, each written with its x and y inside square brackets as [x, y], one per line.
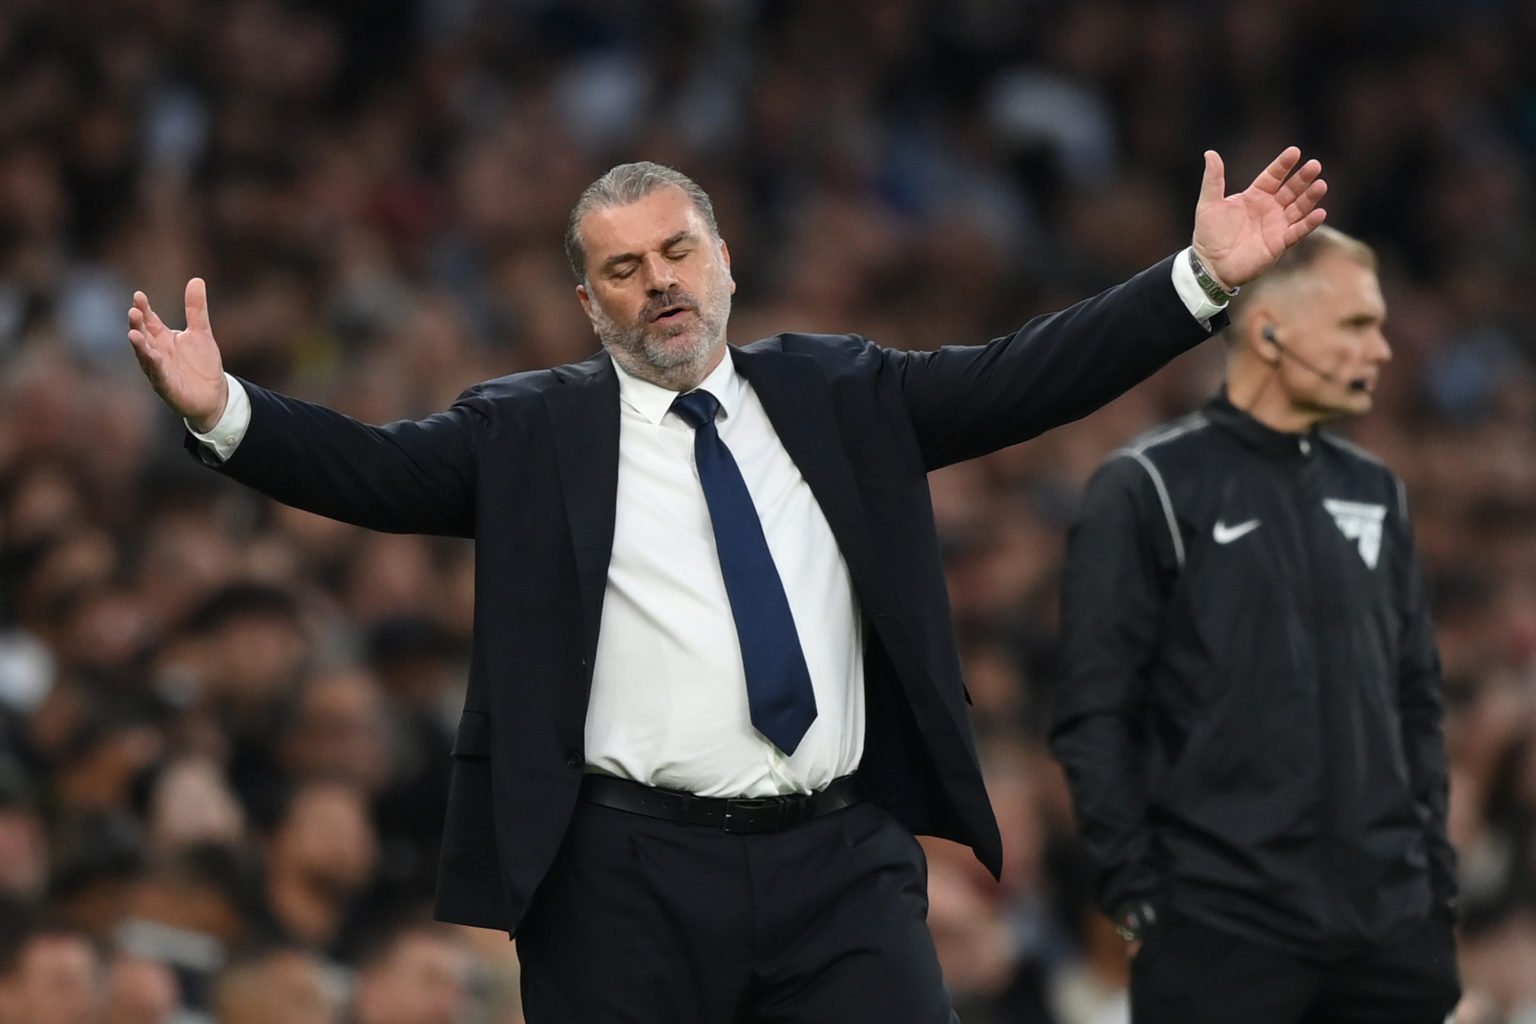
[226, 435]
[1195, 300]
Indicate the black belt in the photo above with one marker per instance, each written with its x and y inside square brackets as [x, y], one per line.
[740, 815]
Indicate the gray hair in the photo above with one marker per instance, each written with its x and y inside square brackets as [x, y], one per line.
[625, 184]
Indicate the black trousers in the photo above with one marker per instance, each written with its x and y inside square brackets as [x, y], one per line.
[651, 922]
[1188, 973]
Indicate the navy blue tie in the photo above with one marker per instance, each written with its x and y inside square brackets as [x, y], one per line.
[778, 683]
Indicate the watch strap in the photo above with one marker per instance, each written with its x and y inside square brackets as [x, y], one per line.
[1212, 288]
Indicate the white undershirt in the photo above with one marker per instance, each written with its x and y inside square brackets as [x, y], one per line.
[669, 704]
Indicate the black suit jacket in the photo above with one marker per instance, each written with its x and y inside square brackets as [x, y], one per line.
[528, 466]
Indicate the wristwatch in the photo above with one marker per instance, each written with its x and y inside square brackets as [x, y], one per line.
[1208, 284]
[1133, 920]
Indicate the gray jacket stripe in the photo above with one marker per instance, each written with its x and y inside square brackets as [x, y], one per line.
[1195, 422]
[1162, 496]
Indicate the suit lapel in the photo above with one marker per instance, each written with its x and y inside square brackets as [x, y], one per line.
[798, 402]
[584, 416]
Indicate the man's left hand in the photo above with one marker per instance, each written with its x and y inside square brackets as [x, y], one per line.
[1238, 237]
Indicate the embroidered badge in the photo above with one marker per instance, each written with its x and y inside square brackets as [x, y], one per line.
[1361, 523]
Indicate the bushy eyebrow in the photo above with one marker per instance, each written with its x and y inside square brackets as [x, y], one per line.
[614, 262]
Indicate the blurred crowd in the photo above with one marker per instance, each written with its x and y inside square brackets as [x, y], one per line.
[225, 726]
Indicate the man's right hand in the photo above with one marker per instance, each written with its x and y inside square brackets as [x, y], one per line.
[184, 366]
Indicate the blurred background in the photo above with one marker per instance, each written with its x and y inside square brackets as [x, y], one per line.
[224, 725]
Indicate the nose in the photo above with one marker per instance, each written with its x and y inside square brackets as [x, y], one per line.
[1380, 348]
[660, 274]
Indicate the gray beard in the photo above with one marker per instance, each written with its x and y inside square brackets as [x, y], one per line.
[643, 350]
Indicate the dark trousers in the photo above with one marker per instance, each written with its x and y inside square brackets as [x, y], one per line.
[652, 922]
[1188, 973]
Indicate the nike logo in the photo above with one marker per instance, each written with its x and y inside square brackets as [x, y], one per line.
[1224, 534]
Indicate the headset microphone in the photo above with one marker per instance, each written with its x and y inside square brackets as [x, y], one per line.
[1270, 335]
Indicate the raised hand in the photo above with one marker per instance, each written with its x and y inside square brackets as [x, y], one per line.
[184, 366]
[1238, 237]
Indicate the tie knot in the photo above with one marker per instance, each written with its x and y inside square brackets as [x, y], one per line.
[697, 407]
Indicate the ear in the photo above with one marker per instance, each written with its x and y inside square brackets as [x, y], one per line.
[725, 257]
[1260, 329]
[585, 298]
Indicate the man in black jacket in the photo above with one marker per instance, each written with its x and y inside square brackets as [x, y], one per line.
[1249, 710]
[707, 592]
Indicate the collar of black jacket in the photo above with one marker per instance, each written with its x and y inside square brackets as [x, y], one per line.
[1220, 411]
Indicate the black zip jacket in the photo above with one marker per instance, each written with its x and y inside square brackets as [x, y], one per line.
[1249, 708]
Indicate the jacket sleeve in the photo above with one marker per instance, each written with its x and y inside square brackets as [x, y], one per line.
[965, 401]
[1421, 711]
[1119, 564]
[412, 476]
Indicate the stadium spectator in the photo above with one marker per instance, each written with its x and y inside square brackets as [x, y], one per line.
[280, 985]
[416, 974]
[51, 974]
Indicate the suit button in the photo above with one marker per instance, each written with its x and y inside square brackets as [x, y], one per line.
[573, 760]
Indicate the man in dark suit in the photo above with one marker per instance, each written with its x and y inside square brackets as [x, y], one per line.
[714, 690]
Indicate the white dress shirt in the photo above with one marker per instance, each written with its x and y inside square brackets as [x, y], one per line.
[669, 701]
[669, 693]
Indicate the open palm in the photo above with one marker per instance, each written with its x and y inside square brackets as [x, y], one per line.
[1238, 237]
[184, 366]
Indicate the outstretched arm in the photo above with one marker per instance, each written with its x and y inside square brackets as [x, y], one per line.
[964, 401]
[405, 477]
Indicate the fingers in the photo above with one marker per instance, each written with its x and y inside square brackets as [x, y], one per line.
[156, 325]
[143, 350]
[138, 326]
[1304, 227]
[197, 305]
[1298, 183]
[142, 316]
[1272, 177]
[150, 339]
[1308, 200]
[1213, 186]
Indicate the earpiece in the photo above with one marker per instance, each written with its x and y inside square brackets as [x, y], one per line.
[1271, 335]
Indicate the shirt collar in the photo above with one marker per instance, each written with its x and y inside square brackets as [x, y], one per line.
[653, 402]
[1220, 411]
